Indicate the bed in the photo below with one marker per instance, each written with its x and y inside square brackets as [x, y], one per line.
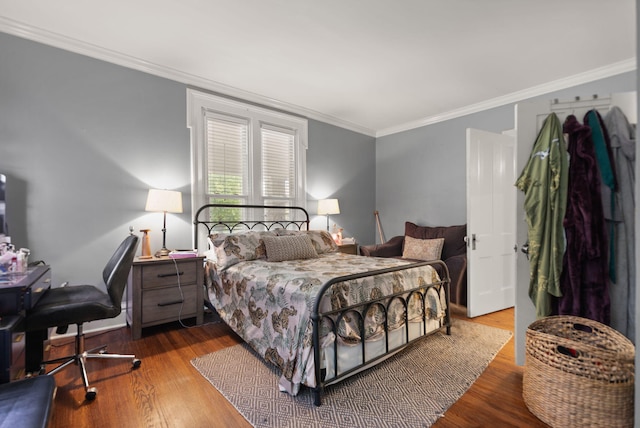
[317, 314]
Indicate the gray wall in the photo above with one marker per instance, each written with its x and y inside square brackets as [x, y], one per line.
[343, 167]
[421, 173]
[82, 141]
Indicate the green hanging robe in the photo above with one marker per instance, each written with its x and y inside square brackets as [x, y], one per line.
[544, 182]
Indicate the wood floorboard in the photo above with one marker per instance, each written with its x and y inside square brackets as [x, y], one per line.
[167, 391]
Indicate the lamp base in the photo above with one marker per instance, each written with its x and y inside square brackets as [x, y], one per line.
[163, 252]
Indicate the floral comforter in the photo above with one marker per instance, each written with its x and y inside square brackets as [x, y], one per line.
[269, 304]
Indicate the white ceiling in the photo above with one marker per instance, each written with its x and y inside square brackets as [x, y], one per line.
[374, 66]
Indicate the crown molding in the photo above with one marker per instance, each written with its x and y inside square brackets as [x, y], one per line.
[36, 34]
[46, 37]
[514, 97]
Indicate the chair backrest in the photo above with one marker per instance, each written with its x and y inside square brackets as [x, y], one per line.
[116, 272]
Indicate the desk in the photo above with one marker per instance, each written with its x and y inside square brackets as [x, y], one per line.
[19, 292]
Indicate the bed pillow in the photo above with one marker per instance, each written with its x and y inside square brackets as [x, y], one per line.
[422, 249]
[321, 239]
[232, 248]
[290, 247]
[216, 239]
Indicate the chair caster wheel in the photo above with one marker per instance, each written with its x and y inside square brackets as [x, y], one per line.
[136, 363]
[91, 394]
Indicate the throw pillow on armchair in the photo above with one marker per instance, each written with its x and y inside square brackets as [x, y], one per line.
[454, 252]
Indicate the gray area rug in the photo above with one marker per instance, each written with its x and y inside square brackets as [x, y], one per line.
[411, 389]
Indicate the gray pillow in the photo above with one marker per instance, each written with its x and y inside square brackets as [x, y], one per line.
[291, 247]
[321, 239]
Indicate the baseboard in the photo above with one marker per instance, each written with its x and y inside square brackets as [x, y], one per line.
[94, 326]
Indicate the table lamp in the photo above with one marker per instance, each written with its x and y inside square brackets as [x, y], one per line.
[165, 201]
[328, 207]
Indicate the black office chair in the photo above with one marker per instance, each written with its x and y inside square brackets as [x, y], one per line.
[78, 304]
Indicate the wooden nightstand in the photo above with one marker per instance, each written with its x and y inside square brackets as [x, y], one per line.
[162, 290]
[348, 248]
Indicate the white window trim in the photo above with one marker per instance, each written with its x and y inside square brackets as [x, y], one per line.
[198, 103]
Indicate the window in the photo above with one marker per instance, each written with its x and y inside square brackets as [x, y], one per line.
[243, 154]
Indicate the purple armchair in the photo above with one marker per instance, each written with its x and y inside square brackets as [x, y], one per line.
[454, 253]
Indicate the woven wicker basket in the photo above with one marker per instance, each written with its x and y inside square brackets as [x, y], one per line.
[578, 373]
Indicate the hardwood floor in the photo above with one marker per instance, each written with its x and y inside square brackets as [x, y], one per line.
[495, 399]
[168, 392]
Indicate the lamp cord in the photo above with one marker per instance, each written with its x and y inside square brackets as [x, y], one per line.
[175, 263]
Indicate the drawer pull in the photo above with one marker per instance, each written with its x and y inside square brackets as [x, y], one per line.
[175, 302]
[164, 275]
[18, 338]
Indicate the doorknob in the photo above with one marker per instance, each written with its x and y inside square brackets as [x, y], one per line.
[525, 249]
[473, 241]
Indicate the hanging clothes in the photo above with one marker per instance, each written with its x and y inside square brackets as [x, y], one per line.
[544, 183]
[609, 182]
[623, 291]
[584, 280]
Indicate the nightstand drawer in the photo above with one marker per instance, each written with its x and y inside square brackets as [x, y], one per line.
[165, 303]
[162, 275]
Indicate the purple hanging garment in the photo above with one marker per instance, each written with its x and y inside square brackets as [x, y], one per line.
[584, 281]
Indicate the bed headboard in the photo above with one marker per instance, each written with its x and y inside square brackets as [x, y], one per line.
[236, 218]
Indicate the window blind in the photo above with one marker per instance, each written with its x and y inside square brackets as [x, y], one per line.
[278, 164]
[227, 156]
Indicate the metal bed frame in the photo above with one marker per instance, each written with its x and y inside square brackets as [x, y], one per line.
[334, 317]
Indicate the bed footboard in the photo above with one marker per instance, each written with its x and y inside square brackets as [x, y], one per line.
[400, 327]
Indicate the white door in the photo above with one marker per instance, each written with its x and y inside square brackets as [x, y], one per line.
[491, 229]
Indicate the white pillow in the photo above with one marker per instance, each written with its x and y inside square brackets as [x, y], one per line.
[238, 247]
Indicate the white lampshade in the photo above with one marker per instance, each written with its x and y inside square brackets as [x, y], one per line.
[168, 201]
[328, 207]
